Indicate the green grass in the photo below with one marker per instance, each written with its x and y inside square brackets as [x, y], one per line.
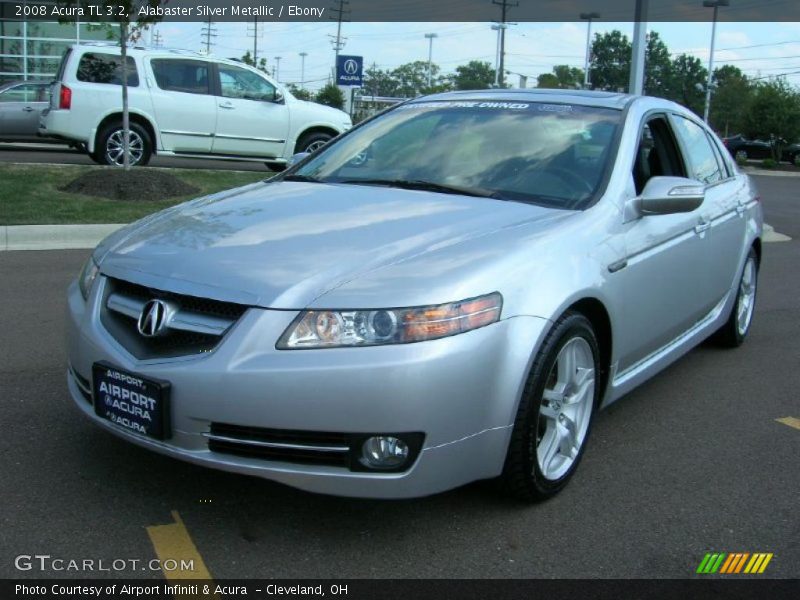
[29, 195]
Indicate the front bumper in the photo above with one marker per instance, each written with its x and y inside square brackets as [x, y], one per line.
[461, 392]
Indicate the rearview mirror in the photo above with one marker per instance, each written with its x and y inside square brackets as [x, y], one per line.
[670, 195]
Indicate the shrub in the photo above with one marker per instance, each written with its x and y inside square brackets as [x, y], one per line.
[768, 163]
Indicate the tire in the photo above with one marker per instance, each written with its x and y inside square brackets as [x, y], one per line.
[311, 142]
[733, 333]
[109, 145]
[276, 167]
[558, 400]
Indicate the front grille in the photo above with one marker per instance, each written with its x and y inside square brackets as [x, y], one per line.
[301, 447]
[195, 326]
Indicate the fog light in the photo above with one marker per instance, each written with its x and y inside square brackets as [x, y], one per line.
[384, 452]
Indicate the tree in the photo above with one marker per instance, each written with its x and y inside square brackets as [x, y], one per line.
[562, 77]
[412, 79]
[610, 61]
[475, 75]
[248, 60]
[657, 66]
[126, 14]
[773, 114]
[687, 83]
[299, 93]
[378, 82]
[330, 95]
[731, 95]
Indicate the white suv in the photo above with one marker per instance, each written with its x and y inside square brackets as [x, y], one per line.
[181, 104]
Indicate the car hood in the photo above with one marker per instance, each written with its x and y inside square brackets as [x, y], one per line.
[284, 244]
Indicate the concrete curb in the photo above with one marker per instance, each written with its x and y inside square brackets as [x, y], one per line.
[765, 173]
[53, 237]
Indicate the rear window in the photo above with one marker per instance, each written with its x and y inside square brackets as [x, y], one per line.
[63, 66]
[179, 75]
[106, 68]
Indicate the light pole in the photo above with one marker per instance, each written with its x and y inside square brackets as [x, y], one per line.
[303, 69]
[588, 17]
[499, 27]
[278, 68]
[715, 4]
[430, 37]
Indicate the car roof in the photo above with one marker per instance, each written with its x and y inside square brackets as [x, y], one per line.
[581, 97]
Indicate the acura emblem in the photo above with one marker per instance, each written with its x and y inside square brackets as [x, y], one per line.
[153, 319]
[350, 66]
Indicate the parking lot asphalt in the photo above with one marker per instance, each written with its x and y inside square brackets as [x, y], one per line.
[52, 154]
[693, 461]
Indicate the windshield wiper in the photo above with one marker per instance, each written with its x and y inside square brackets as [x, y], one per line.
[429, 186]
[303, 178]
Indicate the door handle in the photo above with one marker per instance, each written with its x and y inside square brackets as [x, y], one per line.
[28, 109]
[702, 227]
[228, 105]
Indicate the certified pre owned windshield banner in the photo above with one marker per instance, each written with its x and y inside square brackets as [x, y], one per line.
[395, 10]
[400, 589]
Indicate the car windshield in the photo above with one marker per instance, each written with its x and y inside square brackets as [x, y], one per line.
[549, 154]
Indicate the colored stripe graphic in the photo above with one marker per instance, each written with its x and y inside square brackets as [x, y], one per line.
[732, 563]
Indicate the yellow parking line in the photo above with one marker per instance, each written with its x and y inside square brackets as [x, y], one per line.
[174, 544]
[790, 421]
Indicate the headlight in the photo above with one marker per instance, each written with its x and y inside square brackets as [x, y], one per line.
[87, 277]
[337, 328]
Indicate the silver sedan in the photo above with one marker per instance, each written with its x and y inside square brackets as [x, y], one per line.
[448, 292]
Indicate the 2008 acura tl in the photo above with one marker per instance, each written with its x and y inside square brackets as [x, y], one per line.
[446, 293]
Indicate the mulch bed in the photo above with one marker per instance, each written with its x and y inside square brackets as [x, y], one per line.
[136, 184]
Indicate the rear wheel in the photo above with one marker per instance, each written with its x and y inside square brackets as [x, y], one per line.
[109, 150]
[556, 411]
[736, 328]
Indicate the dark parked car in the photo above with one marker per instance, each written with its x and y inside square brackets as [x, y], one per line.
[21, 104]
[739, 146]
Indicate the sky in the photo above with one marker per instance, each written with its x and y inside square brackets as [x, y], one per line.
[759, 49]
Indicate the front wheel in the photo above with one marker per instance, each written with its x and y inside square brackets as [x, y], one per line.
[555, 413]
[311, 142]
[109, 150]
[736, 328]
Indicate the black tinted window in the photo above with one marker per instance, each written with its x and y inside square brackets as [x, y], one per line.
[106, 68]
[178, 75]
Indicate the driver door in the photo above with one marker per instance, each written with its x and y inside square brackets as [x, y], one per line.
[251, 119]
[663, 275]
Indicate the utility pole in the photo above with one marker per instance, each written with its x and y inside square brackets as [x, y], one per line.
[636, 82]
[588, 17]
[278, 68]
[255, 41]
[504, 6]
[208, 32]
[158, 40]
[303, 69]
[340, 13]
[715, 4]
[430, 37]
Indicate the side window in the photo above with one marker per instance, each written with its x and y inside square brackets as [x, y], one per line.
[106, 68]
[724, 165]
[702, 161]
[26, 93]
[657, 155]
[244, 84]
[180, 75]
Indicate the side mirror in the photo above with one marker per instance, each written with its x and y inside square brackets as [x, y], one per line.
[296, 158]
[278, 98]
[670, 195]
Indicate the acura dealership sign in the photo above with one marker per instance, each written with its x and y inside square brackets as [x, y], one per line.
[349, 70]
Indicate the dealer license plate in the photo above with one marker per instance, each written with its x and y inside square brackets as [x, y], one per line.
[135, 403]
